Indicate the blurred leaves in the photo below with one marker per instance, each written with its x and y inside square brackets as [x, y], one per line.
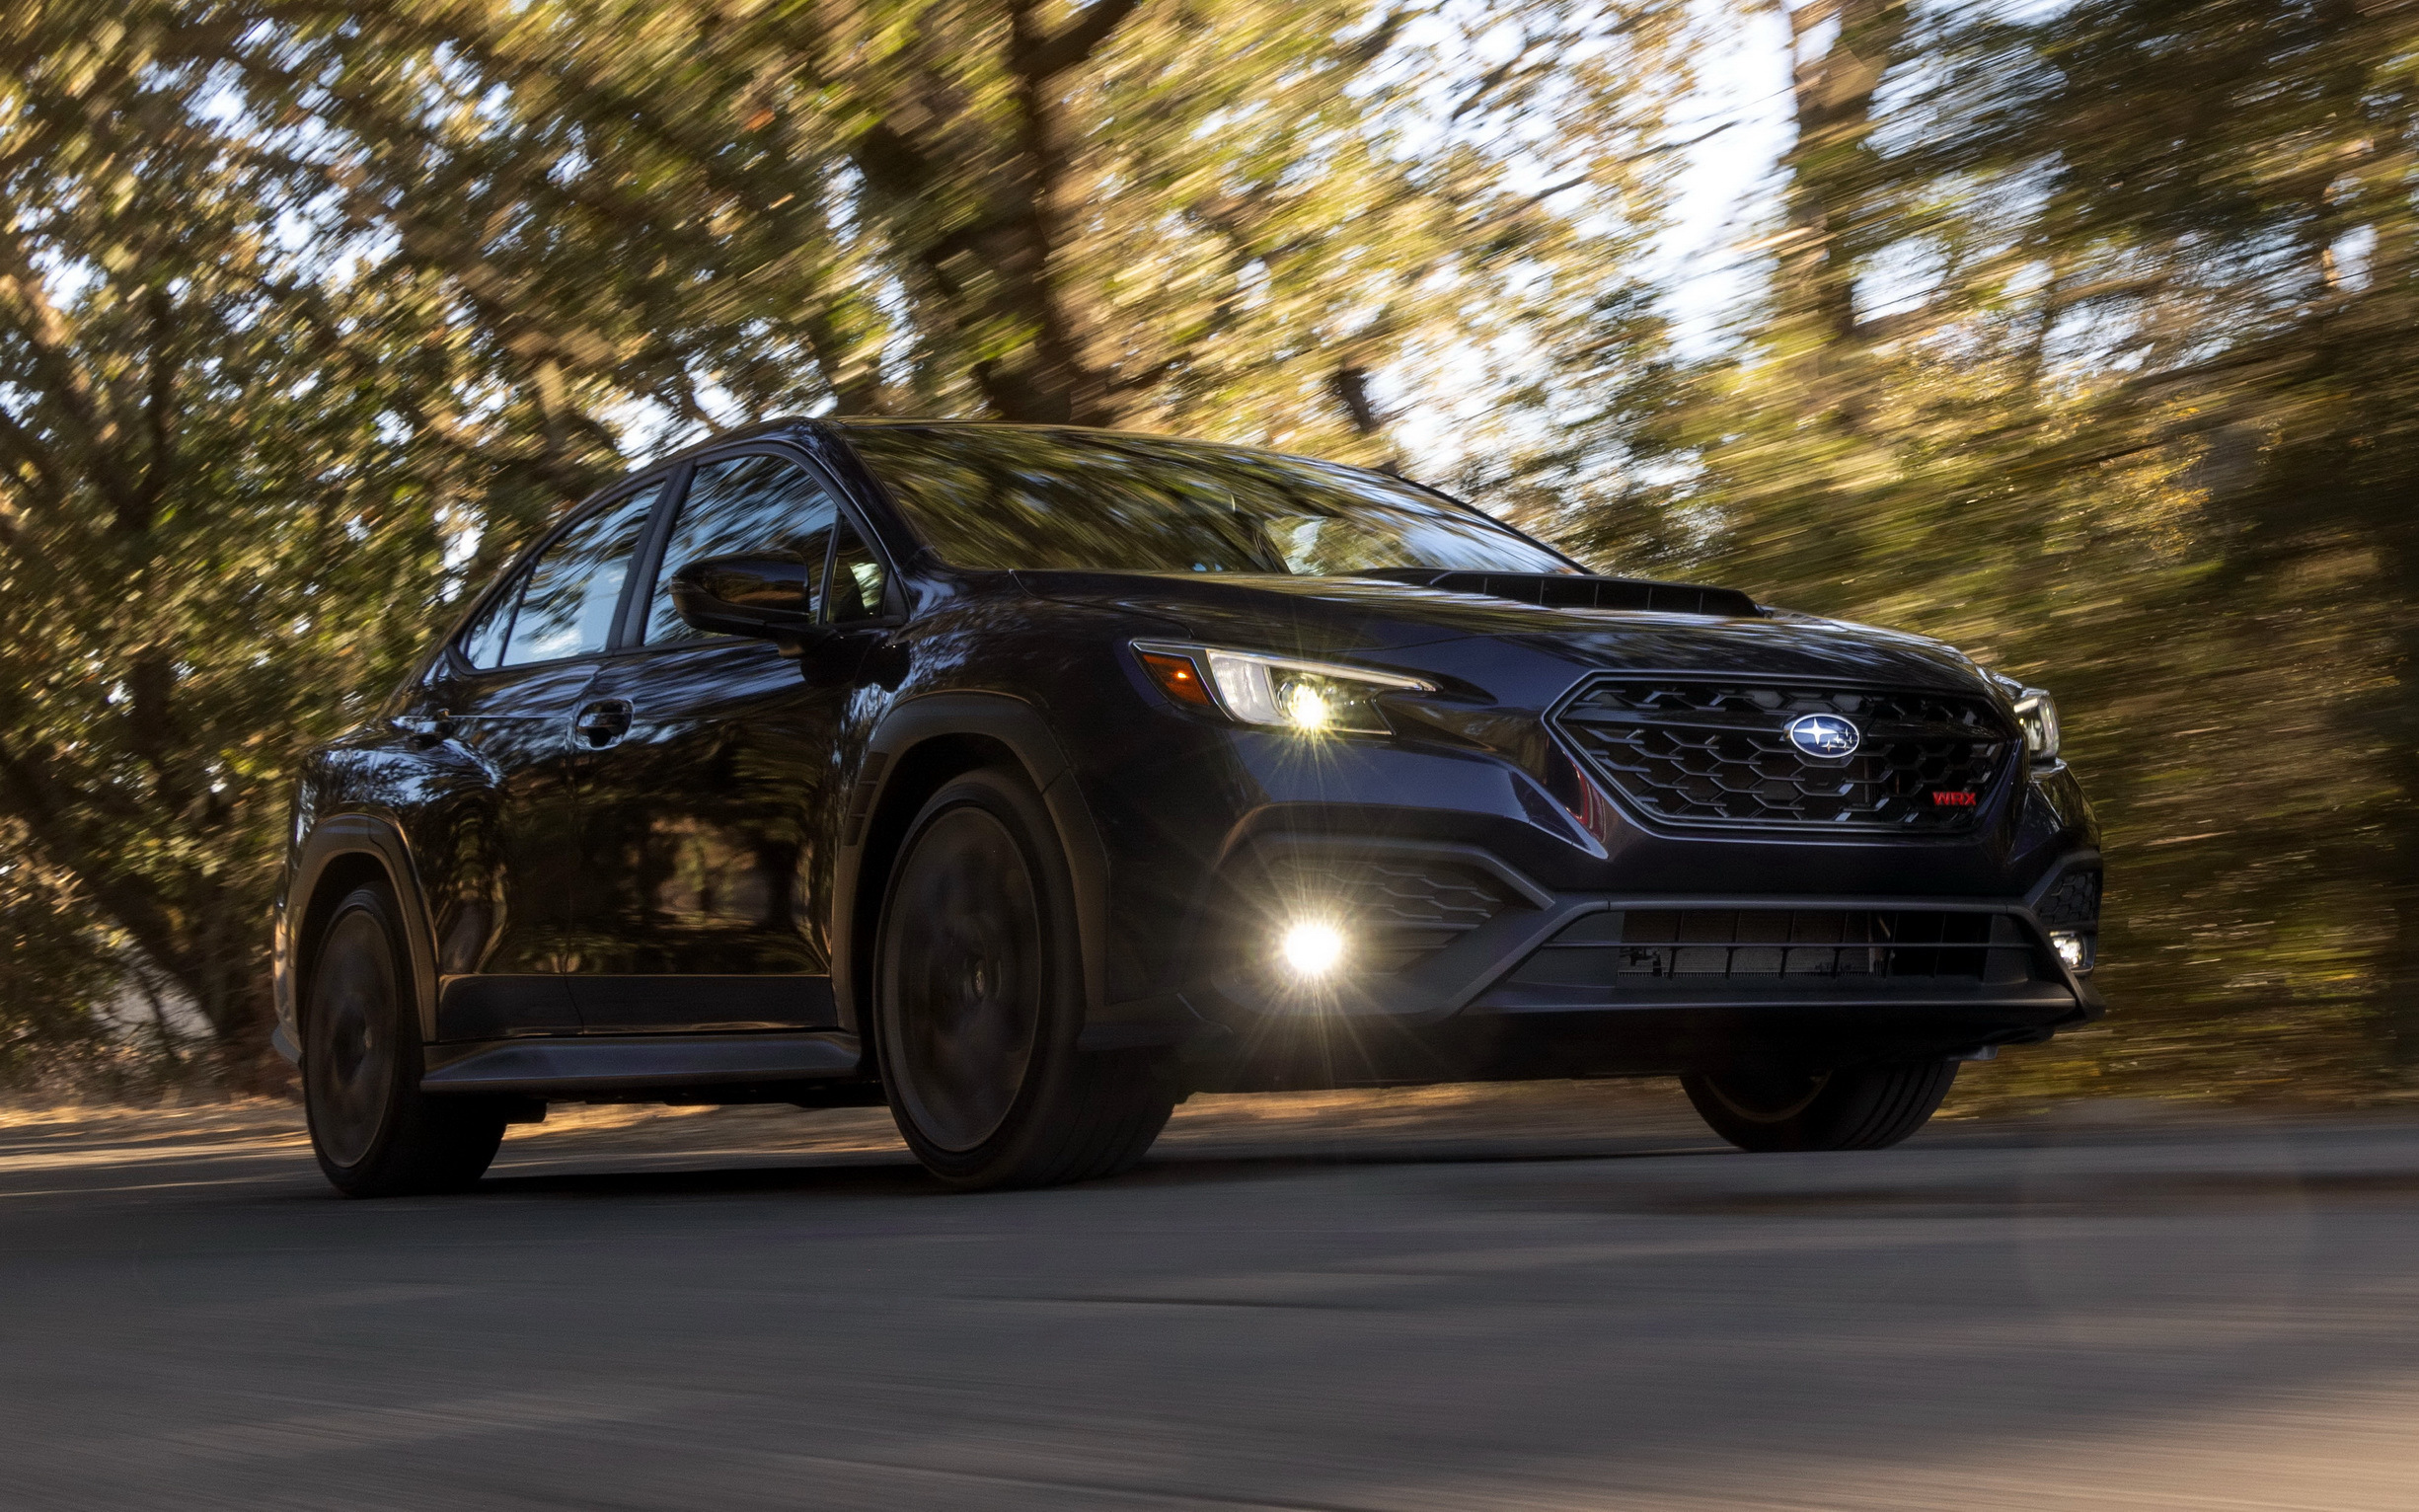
[309, 313]
[2089, 346]
[2085, 342]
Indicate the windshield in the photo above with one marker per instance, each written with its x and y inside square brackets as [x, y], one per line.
[985, 497]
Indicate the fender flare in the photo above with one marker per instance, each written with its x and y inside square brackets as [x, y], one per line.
[334, 839]
[1021, 727]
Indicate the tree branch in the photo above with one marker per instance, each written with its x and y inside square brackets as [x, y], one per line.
[26, 793]
[1373, 47]
[159, 406]
[1075, 41]
[48, 336]
[24, 448]
[1492, 79]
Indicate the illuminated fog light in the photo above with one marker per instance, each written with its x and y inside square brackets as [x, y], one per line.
[1311, 947]
[2071, 949]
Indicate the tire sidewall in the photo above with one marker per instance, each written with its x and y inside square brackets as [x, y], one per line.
[1866, 1107]
[404, 1061]
[1798, 1129]
[1010, 800]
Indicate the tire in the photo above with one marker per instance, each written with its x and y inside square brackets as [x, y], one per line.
[978, 1001]
[375, 1133]
[1871, 1108]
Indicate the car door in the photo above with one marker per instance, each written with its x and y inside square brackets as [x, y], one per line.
[708, 776]
[505, 829]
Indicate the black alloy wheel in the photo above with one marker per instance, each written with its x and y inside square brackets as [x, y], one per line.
[1871, 1108]
[978, 1003]
[375, 1133]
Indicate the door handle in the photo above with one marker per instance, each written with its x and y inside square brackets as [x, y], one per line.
[430, 727]
[604, 722]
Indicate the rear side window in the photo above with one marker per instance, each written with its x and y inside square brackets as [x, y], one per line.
[482, 645]
[567, 606]
[856, 588]
[755, 507]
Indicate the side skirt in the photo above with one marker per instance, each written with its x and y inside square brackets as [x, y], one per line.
[571, 1066]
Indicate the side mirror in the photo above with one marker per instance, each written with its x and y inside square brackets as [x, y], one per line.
[749, 595]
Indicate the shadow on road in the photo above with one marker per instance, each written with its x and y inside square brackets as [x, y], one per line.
[2166, 1194]
[834, 1177]
[897, 1175]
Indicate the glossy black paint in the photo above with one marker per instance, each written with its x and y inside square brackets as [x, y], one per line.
[692, 839]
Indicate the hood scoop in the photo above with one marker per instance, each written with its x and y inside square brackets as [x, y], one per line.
[1558, 590]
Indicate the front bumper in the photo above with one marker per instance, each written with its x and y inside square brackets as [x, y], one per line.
[1560, 984]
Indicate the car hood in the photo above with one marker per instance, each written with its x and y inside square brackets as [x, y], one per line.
[1513, 651]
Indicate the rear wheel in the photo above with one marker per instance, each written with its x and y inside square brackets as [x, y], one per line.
[1869, 1107]
[978, 1001]
[375, 1132]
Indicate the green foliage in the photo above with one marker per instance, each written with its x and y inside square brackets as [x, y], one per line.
[2087, 343]
[2090, 347]
[310, 312]
[199, 513]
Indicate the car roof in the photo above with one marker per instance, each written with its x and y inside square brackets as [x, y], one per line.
[844, 425]
[1079, 433]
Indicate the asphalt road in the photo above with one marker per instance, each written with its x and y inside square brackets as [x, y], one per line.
[1400, 1305]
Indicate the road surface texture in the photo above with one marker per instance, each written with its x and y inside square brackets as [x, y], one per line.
[1563, 1296]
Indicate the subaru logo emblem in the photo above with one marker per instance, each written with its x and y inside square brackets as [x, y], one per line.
[1824, 735]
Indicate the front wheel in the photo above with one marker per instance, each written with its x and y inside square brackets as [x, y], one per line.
[375, 1132]
[1871, 1108]
[978, 1001]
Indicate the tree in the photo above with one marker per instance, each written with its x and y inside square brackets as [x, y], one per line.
[310, 312]
[2087, 343]
[213, 510]
[1221, 218]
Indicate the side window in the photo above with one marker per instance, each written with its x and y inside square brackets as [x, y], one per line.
[855, 591]
[760, 506]
[482, 645]
[574, 590]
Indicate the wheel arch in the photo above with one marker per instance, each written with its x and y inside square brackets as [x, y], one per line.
[917, 747]
[342, 852]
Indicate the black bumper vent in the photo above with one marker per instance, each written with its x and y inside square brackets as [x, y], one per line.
[1719, 755]
[1400, 910]
[2073, 904]
[1820, 947]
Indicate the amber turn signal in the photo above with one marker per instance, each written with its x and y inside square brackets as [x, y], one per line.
[1176, 677]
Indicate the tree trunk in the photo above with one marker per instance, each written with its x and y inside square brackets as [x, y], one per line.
[991, 276]
[1831, 165]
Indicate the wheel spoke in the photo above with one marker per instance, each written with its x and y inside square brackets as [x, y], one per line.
[350, 1065]
[966, 977]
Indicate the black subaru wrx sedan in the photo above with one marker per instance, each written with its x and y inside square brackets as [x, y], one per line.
[1032, 779]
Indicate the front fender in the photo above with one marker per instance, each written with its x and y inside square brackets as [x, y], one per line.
[334, 839]
[874, 816]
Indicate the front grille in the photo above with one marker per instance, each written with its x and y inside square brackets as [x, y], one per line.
[1717, 754]
[1701, 946]
[1398, 910]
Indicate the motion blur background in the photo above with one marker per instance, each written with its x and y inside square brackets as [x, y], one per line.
[2080, 334]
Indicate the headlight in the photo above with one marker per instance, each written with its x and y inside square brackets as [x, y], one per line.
[1308, 696]
[2037, 713]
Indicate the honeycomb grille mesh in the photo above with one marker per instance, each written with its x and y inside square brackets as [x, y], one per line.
[2075, 903]
[1719, 754]
[1401, 909]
